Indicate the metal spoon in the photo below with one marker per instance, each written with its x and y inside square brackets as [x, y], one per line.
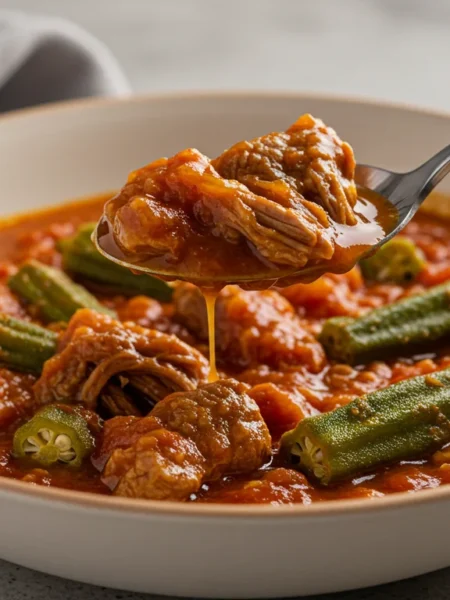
[405, 191]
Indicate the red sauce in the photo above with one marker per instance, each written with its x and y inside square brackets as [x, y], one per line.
[305, 392]
[84, 480]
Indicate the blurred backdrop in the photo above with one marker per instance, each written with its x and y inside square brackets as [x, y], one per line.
[393, 49]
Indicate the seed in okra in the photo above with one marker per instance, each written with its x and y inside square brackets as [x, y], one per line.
[397, 261]
[54, 435]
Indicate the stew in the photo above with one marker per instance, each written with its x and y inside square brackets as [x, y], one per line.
[280, 208]
[339, 388]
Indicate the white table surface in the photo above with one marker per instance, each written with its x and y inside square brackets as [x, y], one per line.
[389, 49]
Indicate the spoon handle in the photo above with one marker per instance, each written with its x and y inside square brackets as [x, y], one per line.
[426, 177]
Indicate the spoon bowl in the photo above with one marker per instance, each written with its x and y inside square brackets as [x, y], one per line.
[405, 192]
[269, 278]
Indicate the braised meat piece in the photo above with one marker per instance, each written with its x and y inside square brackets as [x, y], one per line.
[223, 421]
[251, 328]
[306, 162]
[159, 465]
[188, 439]
[126, 366]
[276, 192]
[280, 408]
[188, 196]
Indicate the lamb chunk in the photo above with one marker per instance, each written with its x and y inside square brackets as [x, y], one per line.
[223, 421]
[161, 465]
[140, 213]
[124, 365]
[189, 438]
[142, 217]
[278, 192]
[121, 433]
[251, 328]
[261, 327]
[308, 161]
[187, 192]
[281, 409]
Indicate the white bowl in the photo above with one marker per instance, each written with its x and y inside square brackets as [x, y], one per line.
[67, 151]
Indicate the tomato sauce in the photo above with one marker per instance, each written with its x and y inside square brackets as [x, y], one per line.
[300, 391]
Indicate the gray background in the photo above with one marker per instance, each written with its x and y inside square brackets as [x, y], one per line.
[394, 49]
[389, 49]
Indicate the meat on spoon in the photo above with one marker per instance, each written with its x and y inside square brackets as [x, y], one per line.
[276, 196]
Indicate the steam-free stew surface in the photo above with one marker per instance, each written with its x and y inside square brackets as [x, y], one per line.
[289, 375]
[212, 261]
[282, 207]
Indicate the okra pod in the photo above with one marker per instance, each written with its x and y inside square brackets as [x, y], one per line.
[408, 420]
[25, 346]
[398, 261]
[81, 257]
[54, 435]
[406, 325]
[52, 292]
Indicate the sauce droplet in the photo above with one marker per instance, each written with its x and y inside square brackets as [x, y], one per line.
[210, 299]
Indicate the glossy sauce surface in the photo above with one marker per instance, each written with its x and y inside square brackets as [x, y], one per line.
[302, 391]
[213, 262]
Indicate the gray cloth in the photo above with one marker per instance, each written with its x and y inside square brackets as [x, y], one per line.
[46, 59]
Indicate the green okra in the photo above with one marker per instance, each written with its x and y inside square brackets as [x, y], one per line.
[52, 292]
[54, 435]
[405, 325]
[81, 257]
[25, 346]
[408, 420]
[398, 261]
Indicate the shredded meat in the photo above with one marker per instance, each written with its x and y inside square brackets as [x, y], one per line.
[251, 328]
[307, 161]
[127, 367]
[277, 192]
[189, 438]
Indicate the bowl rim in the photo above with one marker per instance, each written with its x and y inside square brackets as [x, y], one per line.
[148, 97]
[139, 507]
